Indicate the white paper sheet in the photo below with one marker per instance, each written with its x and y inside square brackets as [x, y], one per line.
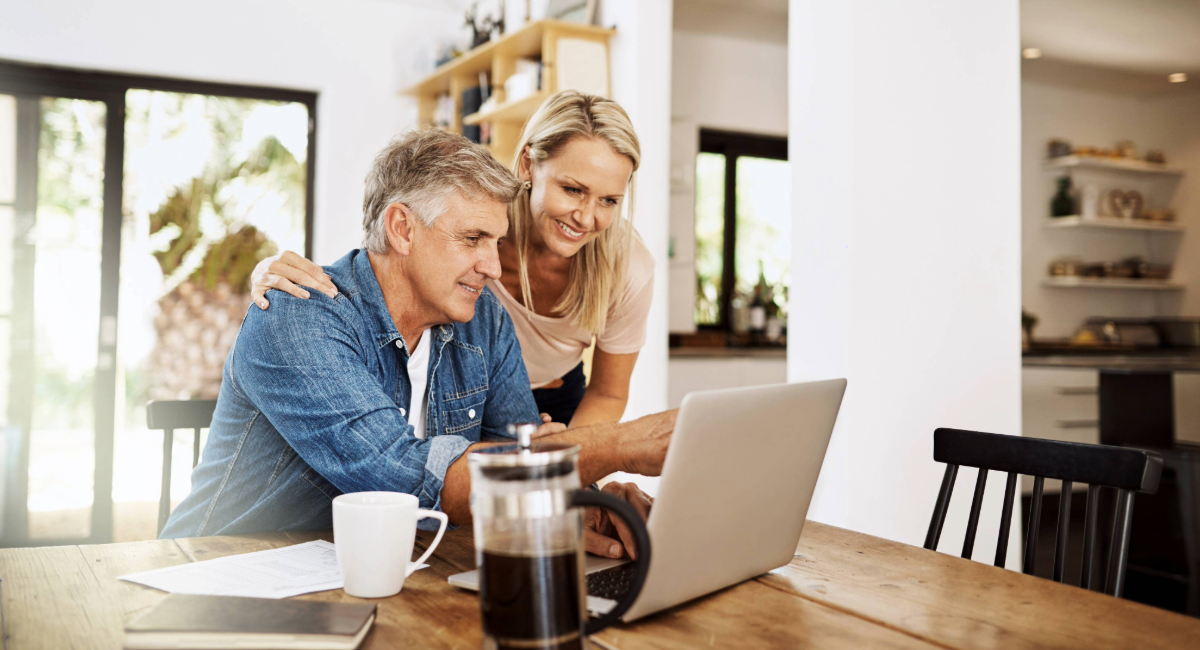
[277, 573]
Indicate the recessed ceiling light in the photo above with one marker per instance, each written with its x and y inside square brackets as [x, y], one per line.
[1177, 78]
[1031, 53]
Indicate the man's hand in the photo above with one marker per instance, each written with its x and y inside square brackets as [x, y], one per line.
[645, 452]
[608, 536]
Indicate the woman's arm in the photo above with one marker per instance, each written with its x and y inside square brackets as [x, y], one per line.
[286, 271]
[608, 391]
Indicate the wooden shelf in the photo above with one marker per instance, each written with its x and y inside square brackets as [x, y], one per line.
[1111, 223]
[1111, 283]
[1111, 164]
[517, 111]
[525, 42]
[541, 40]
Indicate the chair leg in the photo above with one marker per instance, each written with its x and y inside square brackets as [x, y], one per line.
[1089, 539]
[1035, 522]
[164, 498]
[973, 520]
[1064, 530]
[1188, 482]
[939, 508]
[1010, 491]
[1118, 554]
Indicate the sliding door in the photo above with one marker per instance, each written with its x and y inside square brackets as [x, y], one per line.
[131, 212]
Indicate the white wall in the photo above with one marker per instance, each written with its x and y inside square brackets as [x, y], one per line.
[1166, 121]
[904, 132]
[717, 82]
[355, 53]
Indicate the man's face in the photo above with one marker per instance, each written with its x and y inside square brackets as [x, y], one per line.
[451, 260]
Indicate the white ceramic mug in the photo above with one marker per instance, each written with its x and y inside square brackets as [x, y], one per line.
[374, 533]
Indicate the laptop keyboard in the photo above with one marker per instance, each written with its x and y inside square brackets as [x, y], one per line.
[612, 583]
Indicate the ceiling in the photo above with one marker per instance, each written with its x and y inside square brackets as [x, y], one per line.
[1147, 36]
[760, 20]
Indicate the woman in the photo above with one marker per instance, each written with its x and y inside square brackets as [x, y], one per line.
[573, 268]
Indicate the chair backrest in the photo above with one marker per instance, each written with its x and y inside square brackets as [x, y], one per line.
[1128, 470]
[169, 415]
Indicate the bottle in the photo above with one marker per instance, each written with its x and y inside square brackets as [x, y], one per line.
[758, 307]
[1062, 205]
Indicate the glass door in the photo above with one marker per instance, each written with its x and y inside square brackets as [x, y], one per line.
[52, 200]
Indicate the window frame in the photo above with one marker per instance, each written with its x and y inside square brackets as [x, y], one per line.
[734, 144]
[29, 82]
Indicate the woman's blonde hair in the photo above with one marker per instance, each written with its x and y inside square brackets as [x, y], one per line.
[596, 270]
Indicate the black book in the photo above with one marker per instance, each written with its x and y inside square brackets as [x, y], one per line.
[185, 621]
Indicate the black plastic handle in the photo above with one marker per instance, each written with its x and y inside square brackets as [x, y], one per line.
[640, 537]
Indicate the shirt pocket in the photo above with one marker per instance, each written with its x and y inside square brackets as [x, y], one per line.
[468, 415]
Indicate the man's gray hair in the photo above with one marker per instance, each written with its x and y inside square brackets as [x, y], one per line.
[420, 169]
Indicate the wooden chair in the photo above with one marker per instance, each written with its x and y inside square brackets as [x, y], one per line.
[1128, 470]
[169, 416]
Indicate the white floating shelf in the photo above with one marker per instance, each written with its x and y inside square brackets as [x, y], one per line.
[1111, 223]
[1111, 164]
[1073, 282]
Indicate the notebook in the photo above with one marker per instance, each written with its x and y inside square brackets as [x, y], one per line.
[197, 622]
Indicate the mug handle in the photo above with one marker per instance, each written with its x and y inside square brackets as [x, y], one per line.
[640, 537]
[428, 514]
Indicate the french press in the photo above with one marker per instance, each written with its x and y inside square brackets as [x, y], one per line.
[526, 504]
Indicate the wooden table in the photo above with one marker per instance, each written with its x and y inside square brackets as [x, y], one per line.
[843, 590]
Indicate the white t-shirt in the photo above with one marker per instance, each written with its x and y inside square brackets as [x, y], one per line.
[418, 376]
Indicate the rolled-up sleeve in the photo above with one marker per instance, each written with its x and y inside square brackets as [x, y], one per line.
[304, 366]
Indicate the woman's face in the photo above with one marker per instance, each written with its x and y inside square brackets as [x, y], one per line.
[576, 194]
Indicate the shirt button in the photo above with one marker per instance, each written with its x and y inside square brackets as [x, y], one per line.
[403, 413]
[399, 343]
[471, 414]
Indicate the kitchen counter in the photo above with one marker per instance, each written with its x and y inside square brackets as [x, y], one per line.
[761, 352]
[1154, 361]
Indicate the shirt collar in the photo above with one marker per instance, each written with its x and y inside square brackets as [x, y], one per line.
[375, 307]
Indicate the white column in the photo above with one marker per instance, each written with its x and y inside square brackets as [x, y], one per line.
[641, 83]
[905, 145]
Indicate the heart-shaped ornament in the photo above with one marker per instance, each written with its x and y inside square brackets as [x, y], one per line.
[1126, 204]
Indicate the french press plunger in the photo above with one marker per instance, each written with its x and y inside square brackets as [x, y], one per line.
[526, 500]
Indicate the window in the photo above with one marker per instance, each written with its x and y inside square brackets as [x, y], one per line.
[743, 226]
[132, 210]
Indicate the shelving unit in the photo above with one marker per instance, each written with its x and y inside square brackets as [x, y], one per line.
[1156, 183]
[1111, 164]
[537, 40]
[1074, 282]
[1110, 223]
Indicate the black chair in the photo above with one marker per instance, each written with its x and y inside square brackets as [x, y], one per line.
[169, 416]
[1125, 469]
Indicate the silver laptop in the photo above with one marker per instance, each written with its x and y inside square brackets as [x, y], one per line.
[735, 489]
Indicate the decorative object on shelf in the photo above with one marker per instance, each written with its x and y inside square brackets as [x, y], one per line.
[575, 11]
[1165, 216]
[1130, 268]
[485, 27]
[1156, 156]
[1058, 148]
[1062, 205]
[1067, 267]
[1028, 322]
[1126, 204]
[524, 81]
[1126, 149]
[1089, 202]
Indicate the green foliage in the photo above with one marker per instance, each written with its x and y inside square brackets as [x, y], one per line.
[231, 258]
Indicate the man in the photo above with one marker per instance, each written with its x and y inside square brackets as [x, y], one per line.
[387, 384]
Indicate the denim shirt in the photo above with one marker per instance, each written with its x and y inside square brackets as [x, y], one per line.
[313, 403]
